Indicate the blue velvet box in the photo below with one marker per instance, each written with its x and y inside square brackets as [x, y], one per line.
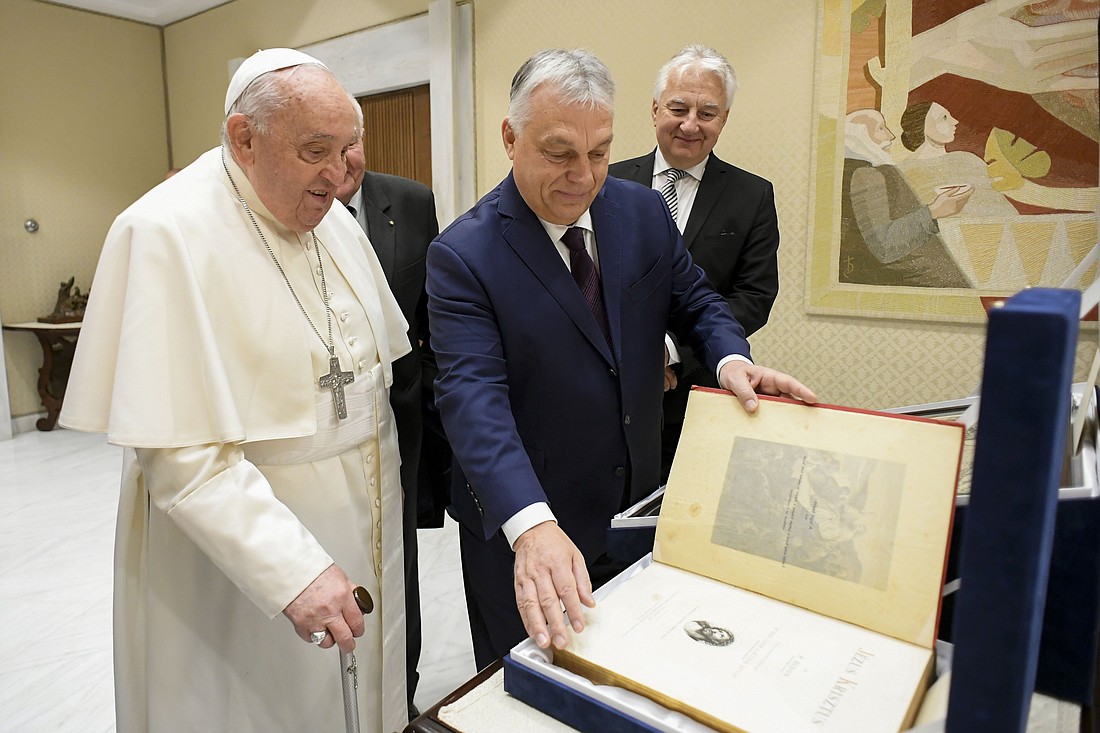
[1005, 555]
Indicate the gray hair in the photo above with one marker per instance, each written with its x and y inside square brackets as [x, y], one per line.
[266, 95]
[578, 76]
[697, 56]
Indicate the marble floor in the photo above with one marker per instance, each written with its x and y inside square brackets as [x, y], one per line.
[58, 494]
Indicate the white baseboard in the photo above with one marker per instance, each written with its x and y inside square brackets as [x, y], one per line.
[26, 423]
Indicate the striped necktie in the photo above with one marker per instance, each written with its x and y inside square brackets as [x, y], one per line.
[668, 191]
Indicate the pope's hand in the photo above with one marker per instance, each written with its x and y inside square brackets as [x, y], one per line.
[745, 380]
[327, 604]
[549, 572]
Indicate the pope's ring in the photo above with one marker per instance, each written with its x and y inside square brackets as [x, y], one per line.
[318, 636]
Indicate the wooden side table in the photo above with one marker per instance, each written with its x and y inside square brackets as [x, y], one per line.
[58, 341]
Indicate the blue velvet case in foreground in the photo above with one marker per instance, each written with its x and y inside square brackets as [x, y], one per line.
[1006, 549]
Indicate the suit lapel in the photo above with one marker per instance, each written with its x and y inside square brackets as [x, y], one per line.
[710, 191]
[642, 171]
[380, 227]
[525, 235]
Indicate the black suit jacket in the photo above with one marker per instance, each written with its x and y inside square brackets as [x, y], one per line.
[732, 233]
[398, 216]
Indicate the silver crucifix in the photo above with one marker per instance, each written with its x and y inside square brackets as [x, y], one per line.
[335, 380]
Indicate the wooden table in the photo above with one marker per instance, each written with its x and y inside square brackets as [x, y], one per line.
[58, 341]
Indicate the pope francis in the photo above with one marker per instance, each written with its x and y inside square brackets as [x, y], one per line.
[238, 343]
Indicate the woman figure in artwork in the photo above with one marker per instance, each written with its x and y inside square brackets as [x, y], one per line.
[928, 128]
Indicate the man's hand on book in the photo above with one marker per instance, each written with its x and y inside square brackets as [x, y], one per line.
[745, 380]
[550, 572]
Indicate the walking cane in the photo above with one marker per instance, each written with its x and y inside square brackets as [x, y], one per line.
[349, 674]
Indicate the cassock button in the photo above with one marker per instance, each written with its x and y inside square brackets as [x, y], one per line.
[353, 341]
[620, 471]
[626, 420]
[344, 317]
[319, 271]
[613, 372]
[372, 480]
[378, 545]
[362, 365]
[370, 458]
[378, 502]
[391, 222]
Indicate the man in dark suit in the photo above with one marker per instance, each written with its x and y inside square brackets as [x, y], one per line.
[549, 302]
[727, 215]
[398, 216]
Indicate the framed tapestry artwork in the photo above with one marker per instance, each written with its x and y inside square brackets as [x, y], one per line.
[955, 154]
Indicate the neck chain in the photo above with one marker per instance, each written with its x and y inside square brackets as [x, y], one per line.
[335, 379]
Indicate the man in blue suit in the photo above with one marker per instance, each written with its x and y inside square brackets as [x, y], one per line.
[549, 302]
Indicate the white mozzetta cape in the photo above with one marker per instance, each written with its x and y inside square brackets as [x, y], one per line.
[195, 347]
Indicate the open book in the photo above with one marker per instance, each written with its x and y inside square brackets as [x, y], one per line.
[799, 559]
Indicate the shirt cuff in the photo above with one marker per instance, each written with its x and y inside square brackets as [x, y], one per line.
[673, 352]
[727, 360]
[525, 519]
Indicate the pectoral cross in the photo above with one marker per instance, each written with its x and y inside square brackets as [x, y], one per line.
[335, 380]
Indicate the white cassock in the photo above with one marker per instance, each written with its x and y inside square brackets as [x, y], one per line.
[194, 352]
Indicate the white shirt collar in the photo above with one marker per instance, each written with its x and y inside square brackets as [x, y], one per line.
[660, 165]
[356, 201]
[554, 231]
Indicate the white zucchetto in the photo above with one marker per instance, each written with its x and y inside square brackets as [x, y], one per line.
[260, 63]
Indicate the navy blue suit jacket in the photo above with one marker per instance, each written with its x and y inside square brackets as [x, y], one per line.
[535, 403]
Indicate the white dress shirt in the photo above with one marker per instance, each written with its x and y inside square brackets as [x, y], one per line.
[686, 187]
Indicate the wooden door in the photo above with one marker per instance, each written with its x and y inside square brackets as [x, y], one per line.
[397, 133]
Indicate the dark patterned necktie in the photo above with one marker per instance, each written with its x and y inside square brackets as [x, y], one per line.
[668, 191]
[584, 273]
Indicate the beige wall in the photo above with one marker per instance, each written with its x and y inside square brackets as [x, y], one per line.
[770, 43]
[199, 49]
[82, 135]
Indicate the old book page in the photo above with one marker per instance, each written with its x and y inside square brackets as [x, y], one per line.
[843, 512]
[739, 662]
